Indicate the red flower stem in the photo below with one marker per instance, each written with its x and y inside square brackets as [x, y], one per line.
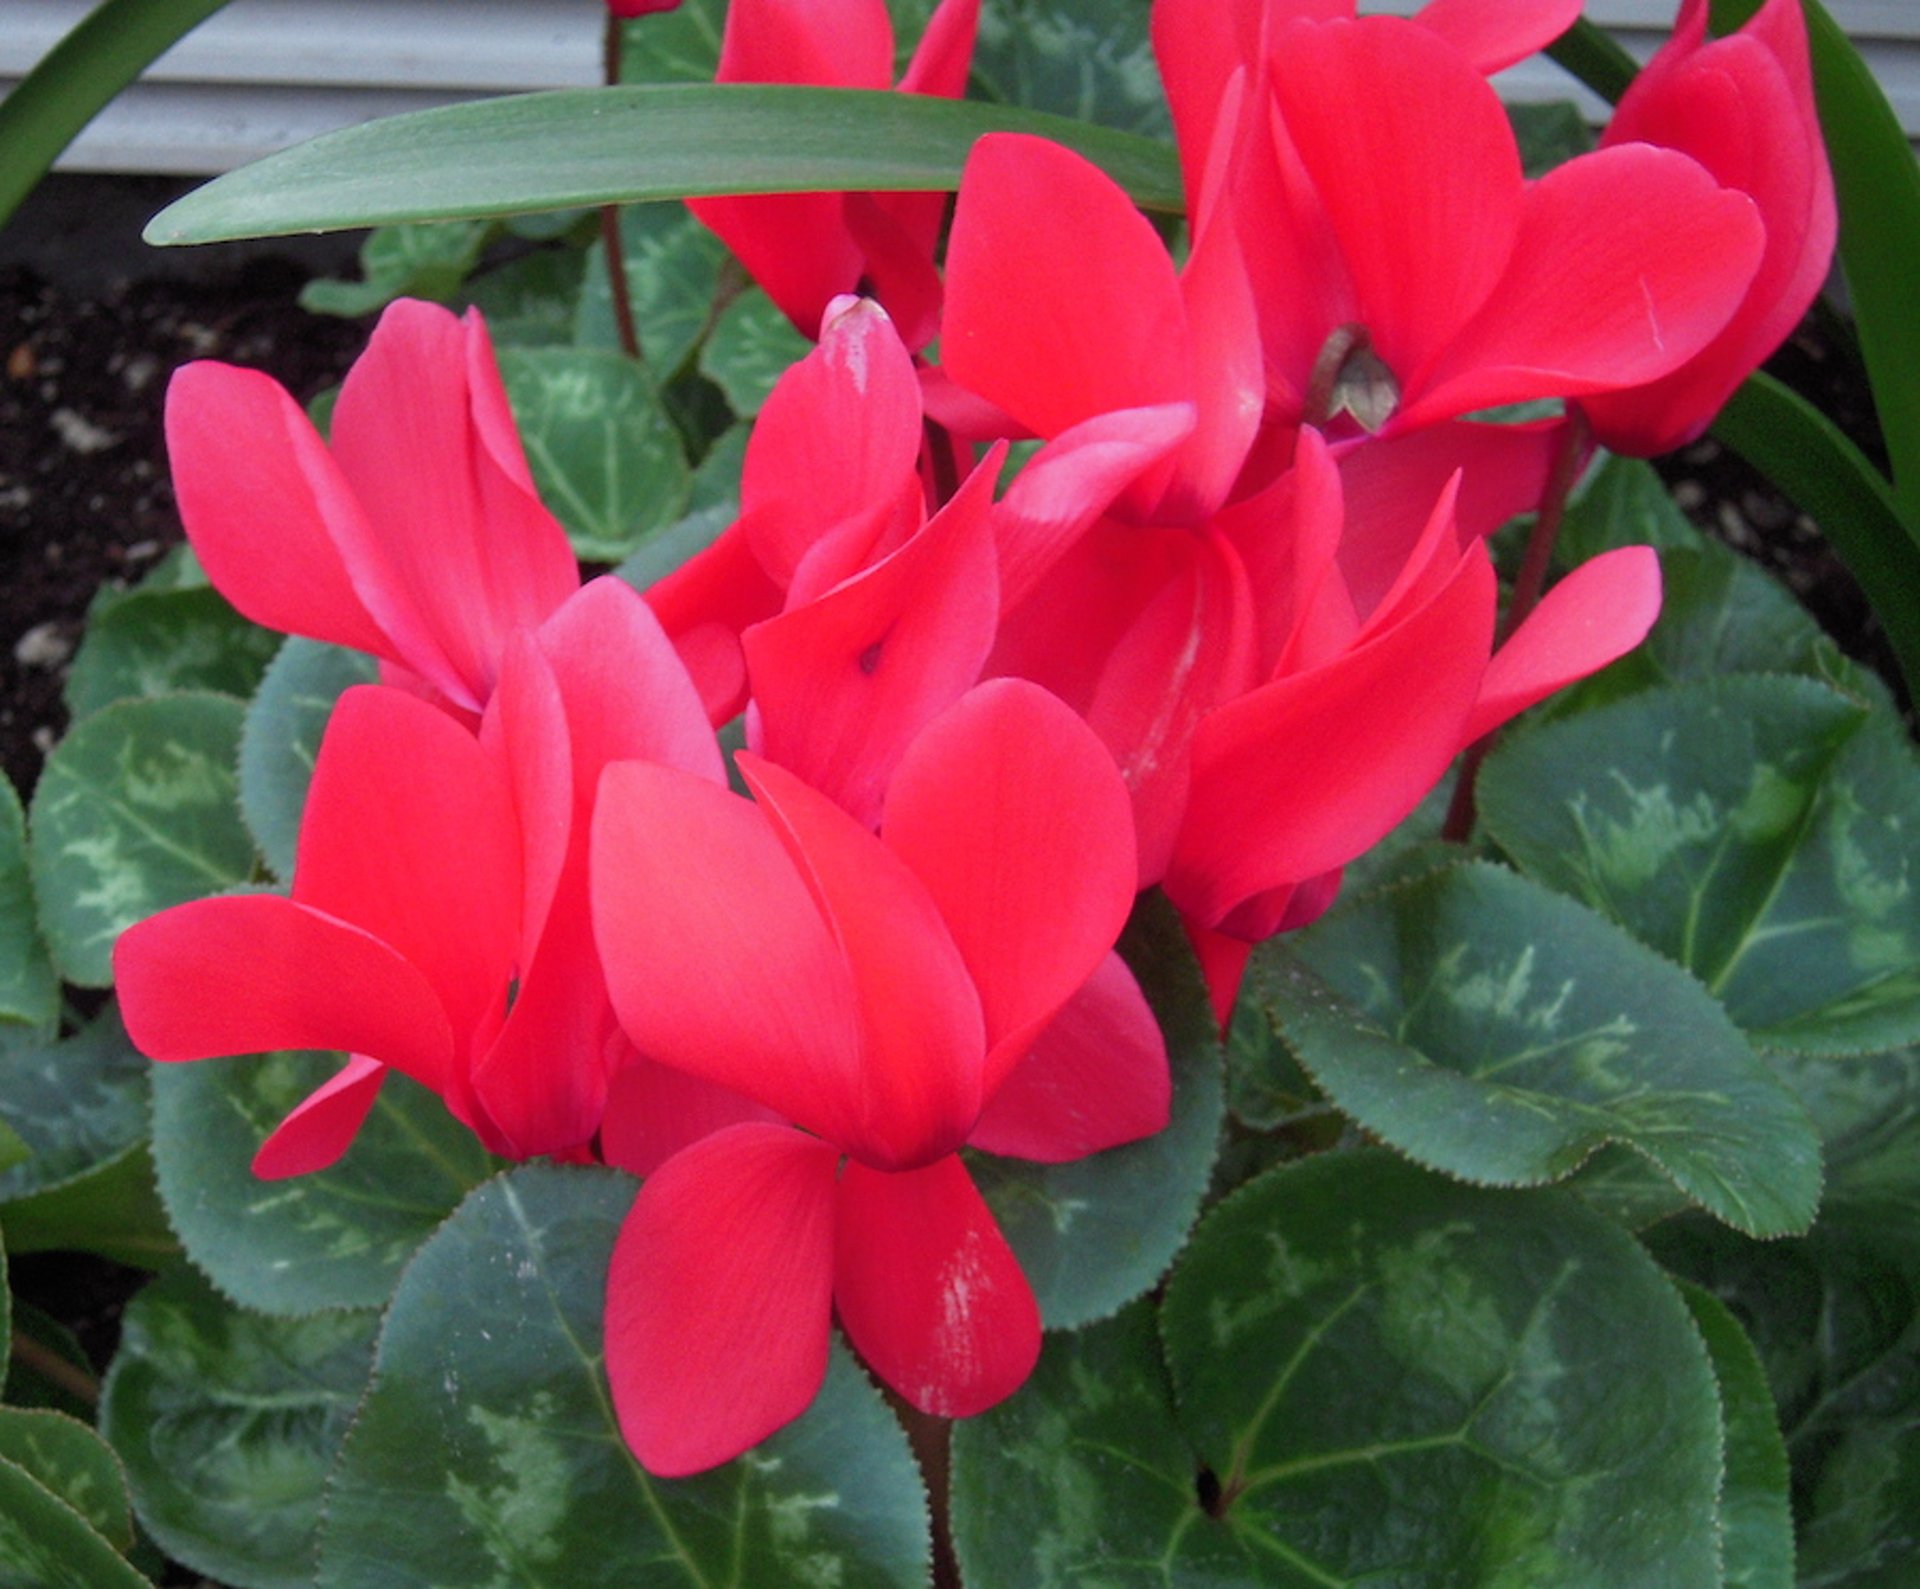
[614, 249]
[932, 1442]
[1528, 585]
[55, 1369]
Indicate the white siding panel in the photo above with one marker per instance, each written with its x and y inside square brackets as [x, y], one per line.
[263, 74]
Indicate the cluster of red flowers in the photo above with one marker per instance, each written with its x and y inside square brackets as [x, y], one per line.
[1228, 625]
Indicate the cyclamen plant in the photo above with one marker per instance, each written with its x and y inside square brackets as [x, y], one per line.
[1020, 873]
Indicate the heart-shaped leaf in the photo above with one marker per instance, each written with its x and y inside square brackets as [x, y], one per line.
[488, 1427]
[1756, 830]
[1490, 1028]
[336, 1238]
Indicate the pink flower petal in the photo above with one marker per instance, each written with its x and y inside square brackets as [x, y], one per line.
[1628, 261]
[250, 973]
[726, 969]
[323, 1125]
[719, 1297]
[410, 831]
[1301, 775]
[1011, 813]
[1599, 612]
[920, 1076]
[1494, 34]
[455, 551]
[929, 1291]
[843, 683]
[244, 457]
[653, 1111]
[1061, 298]
[524, 730]
[704, 605]
[1095, 1077]
[1412, 155]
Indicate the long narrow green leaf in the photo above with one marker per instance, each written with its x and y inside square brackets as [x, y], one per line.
[1811, 459]
[577, 147]
[1591, 55]
[71, 86]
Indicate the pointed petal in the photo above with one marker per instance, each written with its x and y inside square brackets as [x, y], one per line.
[1301, 775]
[944, 55]
[1198, 44]
[1012, 814]
[249, 973]
[455, 551]
[524, 730]
[1628, 261]
[1061, 298]
[1599, 612]
[928, 1289]
[410, 831]
[835, 443]
[323, 1125]
[844, 683]
[704, 605]
[727, 969]
[1230, 383]
[896, 234]
[1494, 34]
[719, 1297]
[543, 1080]
[1095, 1077]
[829, 43]
[628, 695]
[259, 494]
[1423, 190]
[1071, 482]
[1223, 962]
[920, 1073]
[653, 1111]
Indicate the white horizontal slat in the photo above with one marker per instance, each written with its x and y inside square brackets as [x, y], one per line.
[262, 74]
[480, 45]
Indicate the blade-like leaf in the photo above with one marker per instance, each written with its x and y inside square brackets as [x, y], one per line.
[570, 147]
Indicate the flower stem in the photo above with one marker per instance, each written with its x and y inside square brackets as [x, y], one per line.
[55, 1369]
[1528, 586]
[611, 246]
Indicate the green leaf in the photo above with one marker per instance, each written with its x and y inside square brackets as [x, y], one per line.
[152, 642]
[1493, 1030]
[1756, 1522]
[1621, 502]
[335, 1238]
[489, 1429]
[281, 737]
[1393, 1375]
[1756, 830]
[1094, 1234]
[112, 1210]
[77, 1103]
[74, 1463]
[673, 271]
[752, 346]
[228, 1423]
[571, 147]
[716, 482]
[1083, 1480]
[659, 555]
[135, 811]
[1804, 453]
[1088, 59]
[46, 1544]
[604, 455]
[413, 261]
[1266, 1088]
[101, 55]
[679, 46]
[1549, 133]
[29, 991]
[530, 302]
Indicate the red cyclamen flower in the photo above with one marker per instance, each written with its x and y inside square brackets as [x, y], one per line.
[414, 533]
[1743, 107]
[438, 922]
[949, 981]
